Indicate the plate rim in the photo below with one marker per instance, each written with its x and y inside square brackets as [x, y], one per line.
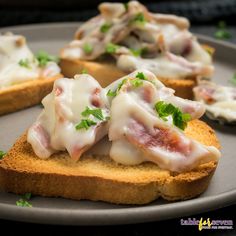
[134, 214]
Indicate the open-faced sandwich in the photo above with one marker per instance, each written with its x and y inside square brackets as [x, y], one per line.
[24, 78]
[128, 143]
[125, 37]
[219, 100]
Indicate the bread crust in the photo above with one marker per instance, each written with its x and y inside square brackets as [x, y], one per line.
[20, 96]
[99, 178]
[105, 73]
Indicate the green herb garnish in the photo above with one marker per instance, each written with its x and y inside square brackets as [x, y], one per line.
[23, 202]
[126, 6]
[25, 63]
[111, 48]
[136, 82]
[95, 112]
[233, 79]
[141, 76]
[88, 48]
[2, 154]
[121, 84]
[105, 27]
[136, 52]
[84, 71]
[43, 58]
[167, 109]
[222, 32]
[139, 18]
[111, 93]
[85, 124]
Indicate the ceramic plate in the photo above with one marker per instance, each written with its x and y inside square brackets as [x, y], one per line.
[221, 192]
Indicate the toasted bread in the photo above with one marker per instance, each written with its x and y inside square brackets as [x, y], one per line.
[100, 70]
[99, 178]
[26, 94]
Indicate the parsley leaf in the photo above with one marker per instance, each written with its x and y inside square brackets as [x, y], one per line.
[95, 112]
[105, 27]
[88, 48]
[233, 79]
[24, 63]
[23, 202]
[111, 48]
[43, 58]
[85, 124]
[126, 6]
[111, 93]
[136, 82]
[141, 76]
[136, 52]
[222, 32]
[84, 71]
[166, 109]
[139, 18]
[121, 84]
[2, 154]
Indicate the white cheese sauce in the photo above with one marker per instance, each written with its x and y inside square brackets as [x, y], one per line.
[181, 54]
[55, 128]
[136, 132]
[220, 101]
[13, 52]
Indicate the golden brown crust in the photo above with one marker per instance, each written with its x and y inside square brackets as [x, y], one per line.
[100, 178]
[19, 96]
[106, 73]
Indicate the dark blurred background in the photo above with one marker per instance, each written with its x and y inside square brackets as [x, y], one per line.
[14, 12]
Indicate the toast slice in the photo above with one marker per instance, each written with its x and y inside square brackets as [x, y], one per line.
[19, 96]
[108, 70]
[99, 178]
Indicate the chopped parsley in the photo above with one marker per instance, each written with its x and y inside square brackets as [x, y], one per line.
[84, 71]
[111, 93]
[139, 18]
[136, 52]
[141, 76]
[95, 112]
[111, 48]
[126, 6]
[121, 84]
[25, 63]
[23, 201]
[105, 27]
[2, 154]
[233, 79]
[85, 124]
[222, 32]
[43, 58]
[136, 82]
[88, 48]
[167, 109]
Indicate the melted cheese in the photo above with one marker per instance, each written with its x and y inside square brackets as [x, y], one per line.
[165, 33]
[220, 101]
[62, 111]
[13, 49]
[136, 133]
[121, 131]
[163, 66]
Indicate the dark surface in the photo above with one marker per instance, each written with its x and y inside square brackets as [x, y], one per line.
[13, 12]
[163, 228]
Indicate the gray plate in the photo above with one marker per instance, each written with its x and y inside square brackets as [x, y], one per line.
[221, 192]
